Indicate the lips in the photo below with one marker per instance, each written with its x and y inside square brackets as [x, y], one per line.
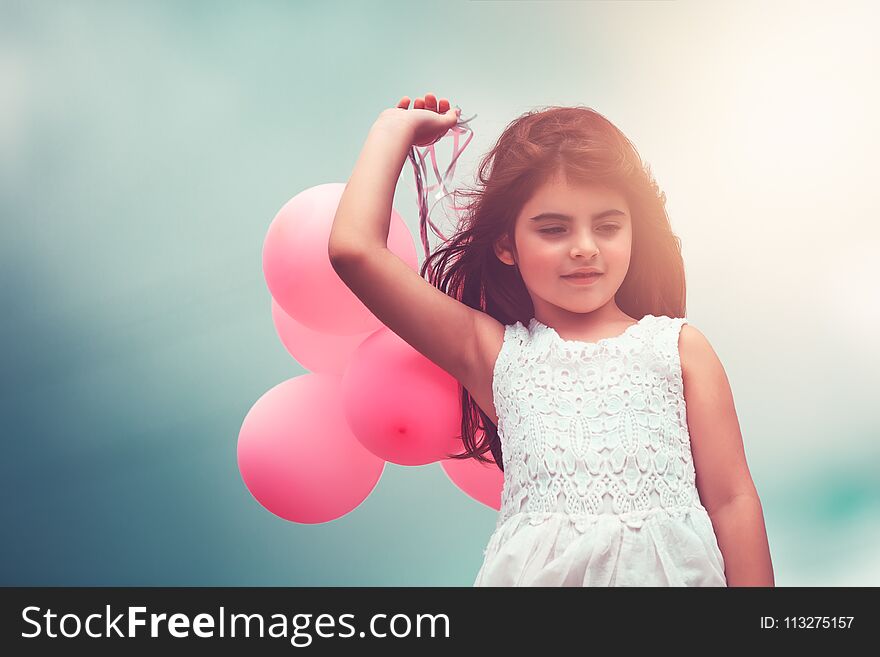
[582, 279]
[583, 270]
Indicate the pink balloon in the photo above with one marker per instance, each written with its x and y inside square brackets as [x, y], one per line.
[298, 270]
[298, 457]
[399, 404]
[316, 351]
[481, 481]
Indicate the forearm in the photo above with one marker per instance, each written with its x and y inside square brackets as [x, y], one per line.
[363, 217]
[742, 537]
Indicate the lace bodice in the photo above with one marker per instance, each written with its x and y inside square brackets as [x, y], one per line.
[592, 428]
[599, 481]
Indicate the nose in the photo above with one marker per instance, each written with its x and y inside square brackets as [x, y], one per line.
[583, 244]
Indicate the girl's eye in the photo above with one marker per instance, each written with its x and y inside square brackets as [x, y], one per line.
[609, 228]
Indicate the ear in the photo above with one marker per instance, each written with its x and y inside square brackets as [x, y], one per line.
[504, 251]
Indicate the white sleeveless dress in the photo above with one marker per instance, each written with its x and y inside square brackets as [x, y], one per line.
[599, 482]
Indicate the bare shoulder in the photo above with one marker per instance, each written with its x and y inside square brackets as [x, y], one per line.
[722, 473]
[695, 350]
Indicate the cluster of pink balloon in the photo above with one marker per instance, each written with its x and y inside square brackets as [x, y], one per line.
[313, 448]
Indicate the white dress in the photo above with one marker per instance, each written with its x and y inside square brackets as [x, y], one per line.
[599, 482]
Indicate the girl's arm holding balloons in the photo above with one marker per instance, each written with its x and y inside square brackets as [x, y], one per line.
[444, 330]
[364, 213]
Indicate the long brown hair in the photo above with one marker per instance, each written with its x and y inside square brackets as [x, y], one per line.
[585, 147]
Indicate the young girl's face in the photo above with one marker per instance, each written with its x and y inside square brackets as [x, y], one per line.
[598, 233]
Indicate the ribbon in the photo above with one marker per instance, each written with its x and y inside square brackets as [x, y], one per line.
[421, 175]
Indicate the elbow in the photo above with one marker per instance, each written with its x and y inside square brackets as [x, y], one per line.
[346, 253]
[345, 249]
[734, 501]
[339, 258]
[332, 255]
[346, 263]
[338, 253]
[339, 247]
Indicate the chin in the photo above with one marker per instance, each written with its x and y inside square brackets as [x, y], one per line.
[583, 309]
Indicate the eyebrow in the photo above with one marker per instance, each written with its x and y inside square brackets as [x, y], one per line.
[568, 217]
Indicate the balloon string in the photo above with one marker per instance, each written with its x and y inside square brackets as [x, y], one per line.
[421, 175]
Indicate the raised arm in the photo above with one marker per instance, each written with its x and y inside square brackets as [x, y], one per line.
[447, 332]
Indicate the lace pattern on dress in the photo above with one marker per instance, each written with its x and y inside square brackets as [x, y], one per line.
[593, 428]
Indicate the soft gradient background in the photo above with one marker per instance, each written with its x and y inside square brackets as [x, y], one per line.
[146, 146]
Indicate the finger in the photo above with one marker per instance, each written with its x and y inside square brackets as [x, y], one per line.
[419, 103]
[403, 102]
[444, 106]
[431, 102]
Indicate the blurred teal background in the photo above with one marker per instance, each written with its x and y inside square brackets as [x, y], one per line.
[146, 146]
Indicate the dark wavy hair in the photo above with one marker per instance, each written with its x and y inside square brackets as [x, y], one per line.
[534, 148]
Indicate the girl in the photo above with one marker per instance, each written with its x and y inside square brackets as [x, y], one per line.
[559, 307]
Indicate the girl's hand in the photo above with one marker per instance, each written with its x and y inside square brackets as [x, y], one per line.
[426, 122]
